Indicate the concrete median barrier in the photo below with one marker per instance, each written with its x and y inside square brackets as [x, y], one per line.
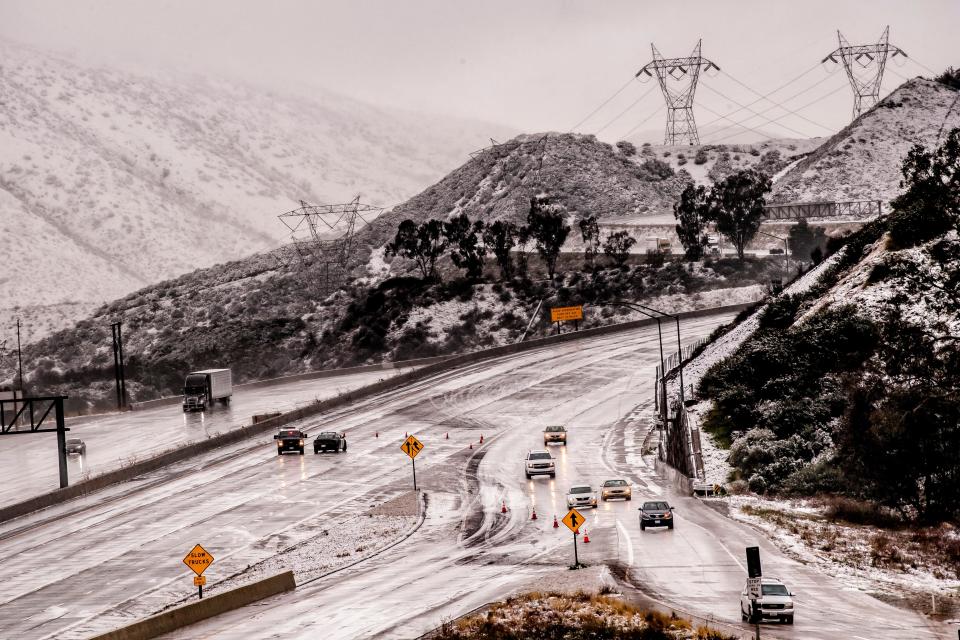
[192, 449]
[188, 614]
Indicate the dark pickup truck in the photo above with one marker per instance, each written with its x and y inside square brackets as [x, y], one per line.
[290, 440]
[330, 441]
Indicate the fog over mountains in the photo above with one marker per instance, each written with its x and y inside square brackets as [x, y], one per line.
[110, 181]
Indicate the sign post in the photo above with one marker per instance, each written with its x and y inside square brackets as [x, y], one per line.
[754, 575]
[573, 520]
[567, 314]
[412, 447]
[198, 560]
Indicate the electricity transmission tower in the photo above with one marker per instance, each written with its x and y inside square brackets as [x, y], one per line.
[678, 81]
[864, 64]
[326, 235]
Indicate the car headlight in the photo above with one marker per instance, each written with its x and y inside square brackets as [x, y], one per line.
[789, 605]
[667, 515]
[301, 443]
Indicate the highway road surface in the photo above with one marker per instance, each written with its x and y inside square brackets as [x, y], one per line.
[95, 563]
[28, 462]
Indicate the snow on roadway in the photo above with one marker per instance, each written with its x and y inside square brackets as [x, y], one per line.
[129, 539]
[467, 553]
[28, 463]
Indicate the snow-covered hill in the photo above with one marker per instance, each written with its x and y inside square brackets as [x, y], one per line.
[862, 161]
[111, 181]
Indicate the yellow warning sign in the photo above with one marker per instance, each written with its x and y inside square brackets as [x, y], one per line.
[563, 314]
[412, 447]
[199, 581]
[574, 520]
[198, 559]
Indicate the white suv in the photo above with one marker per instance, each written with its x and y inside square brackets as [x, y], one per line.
[776, 601]
[539, 463]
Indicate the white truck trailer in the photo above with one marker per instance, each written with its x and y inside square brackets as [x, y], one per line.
[202, 388]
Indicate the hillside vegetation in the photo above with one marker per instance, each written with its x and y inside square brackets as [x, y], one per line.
[853, 387]
[862, 161]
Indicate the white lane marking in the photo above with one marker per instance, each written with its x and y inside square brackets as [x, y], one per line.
[629, 541]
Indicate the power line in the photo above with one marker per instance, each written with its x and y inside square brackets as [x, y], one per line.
[632, 105]
[812, 102]
[772, 107]
[769, 121]
[603, 104]
[735, 123]
[770, 93]
[799, 115]
[640, 124]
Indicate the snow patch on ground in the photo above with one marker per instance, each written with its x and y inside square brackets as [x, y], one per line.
[858, 555]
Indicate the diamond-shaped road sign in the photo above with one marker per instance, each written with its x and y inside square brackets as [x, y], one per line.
[412, 447]
[574, 520]
[198, 559]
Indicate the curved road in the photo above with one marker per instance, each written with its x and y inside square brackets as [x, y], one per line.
[95, 563]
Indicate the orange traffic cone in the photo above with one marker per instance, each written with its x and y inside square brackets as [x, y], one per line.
[406, 435]
[481, 438]
[586, 538]
[556, 525]
[376, 434]
[471, 445]
[503, 509]
[448, 437]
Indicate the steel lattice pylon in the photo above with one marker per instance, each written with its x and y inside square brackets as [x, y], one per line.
[866, 85]
[326, 235]
[680, 122]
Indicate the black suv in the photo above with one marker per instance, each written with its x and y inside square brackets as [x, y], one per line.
[656, 513]
[330, 441]
[290, 440]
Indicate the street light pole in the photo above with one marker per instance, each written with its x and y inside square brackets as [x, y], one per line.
[786, 251]
[19, 358]
[679, 343]
[630, 305]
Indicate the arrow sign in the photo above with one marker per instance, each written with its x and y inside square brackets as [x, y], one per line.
[412, 447]
[573, 520]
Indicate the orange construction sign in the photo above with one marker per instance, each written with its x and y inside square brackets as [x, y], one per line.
[198, 559]
[564, 314]
[412, 447]
[574, 520]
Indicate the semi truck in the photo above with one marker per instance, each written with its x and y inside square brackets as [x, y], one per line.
[202, 388]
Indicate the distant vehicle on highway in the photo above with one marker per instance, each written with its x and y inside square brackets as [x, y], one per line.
[555, 433]
[581, 495]
[202, 388]
[775, 602]
[290, 440]
[540, 463]
[656, 513]
[330, 441]
[616, 489]
[76, 446]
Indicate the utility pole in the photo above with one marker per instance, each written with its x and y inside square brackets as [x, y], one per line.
[19, 358]
[680, 123]
[869, 60]
[118, 365]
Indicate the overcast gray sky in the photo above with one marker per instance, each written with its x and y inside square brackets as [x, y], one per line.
[532, 65]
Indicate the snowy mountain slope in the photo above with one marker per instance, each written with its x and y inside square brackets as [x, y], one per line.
[862, 161]
[719, 160]
[587, 176]
[110, 181]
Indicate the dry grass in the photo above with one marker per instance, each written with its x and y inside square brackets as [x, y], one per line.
[543, 616]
